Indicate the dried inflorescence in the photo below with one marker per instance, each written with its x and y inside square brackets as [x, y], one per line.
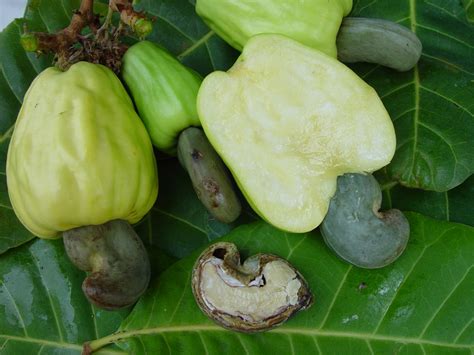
[85, 39]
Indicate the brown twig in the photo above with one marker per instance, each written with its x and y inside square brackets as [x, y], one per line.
[101, 46]
[62, 40]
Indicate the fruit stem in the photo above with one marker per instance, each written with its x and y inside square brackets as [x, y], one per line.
[62, 40]
[137, 21]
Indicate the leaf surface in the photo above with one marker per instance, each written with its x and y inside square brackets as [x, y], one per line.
[420, 304]
[42, 307]
[431, 106]
[454, 205]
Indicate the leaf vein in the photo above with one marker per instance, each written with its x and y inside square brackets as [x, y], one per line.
[336, 294]
[61, 338]
[182, 220]
[196, 45]
[10, 86]
[42, 341]
[447, 99]
[407, 276]
[312, 332]
[448, 296]
[461, 332]
[445, 35]
[12, 300]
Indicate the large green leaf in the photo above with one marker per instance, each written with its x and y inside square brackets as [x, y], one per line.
[42, 308]
[420, 304]
[432, 106]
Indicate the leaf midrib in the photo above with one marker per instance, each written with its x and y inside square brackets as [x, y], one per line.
[55, 344]
[122, 335]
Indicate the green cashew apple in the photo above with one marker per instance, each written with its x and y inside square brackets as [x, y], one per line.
[314, 23]
[79, 154]
[164, 92]
[288, 120]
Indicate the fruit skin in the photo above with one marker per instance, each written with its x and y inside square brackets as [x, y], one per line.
[79, 154]
[314, 23]
[164, 92]
[287, 120]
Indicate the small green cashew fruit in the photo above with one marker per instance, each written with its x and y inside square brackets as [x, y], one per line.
[314, 23]
[79, 155]
[287, 120]
[165, 93]
[356, 230]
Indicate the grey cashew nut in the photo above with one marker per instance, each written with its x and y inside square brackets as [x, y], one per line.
[356, 230]
[257, 295]
[117, 260]
[377, 41]
[208, 175]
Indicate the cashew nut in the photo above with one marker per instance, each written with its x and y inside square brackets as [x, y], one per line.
[377, 41]
[257, 295]
[116, 258]
[356, 230]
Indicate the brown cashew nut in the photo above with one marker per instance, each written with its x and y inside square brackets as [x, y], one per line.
[116, 259]
[257, 295]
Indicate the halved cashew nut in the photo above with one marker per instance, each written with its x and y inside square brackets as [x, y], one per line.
[377, 41]
[117, 260]
[257, 295]
[356, 230]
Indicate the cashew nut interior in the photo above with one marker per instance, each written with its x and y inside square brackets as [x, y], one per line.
[257, 295]
[116, 259]
[356, 230]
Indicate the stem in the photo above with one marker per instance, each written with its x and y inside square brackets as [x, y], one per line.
[61, 41]
[107, 21]
[137, 21]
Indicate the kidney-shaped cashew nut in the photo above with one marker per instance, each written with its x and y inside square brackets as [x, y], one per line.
[356, 230]
[257, 295]
[377, 41]
[116, 259]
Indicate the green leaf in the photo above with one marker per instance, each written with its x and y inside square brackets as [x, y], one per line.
[469, 6]
[454, 205]
[431, 106]
[42, 307]
[420, 304]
